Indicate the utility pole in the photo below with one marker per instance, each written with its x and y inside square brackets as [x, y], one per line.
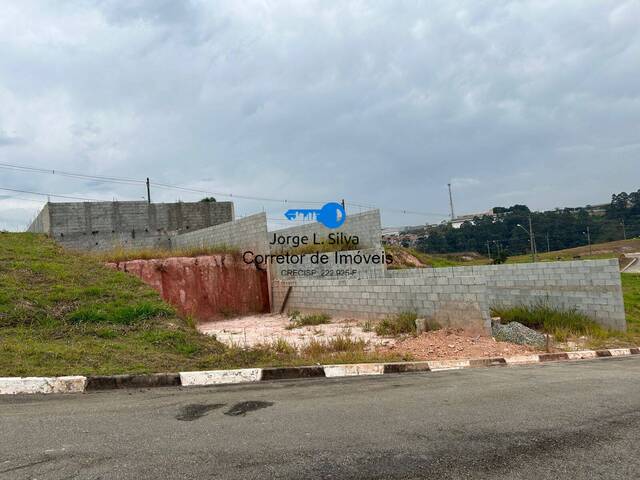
[533, 244]
[497, 244]
[148, 191]
[589, 240]
[451, 202]
[488, 249]
[531, 239]
[548, 249]
[624, 230]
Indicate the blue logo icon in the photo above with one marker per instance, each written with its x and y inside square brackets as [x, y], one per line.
[331, 215]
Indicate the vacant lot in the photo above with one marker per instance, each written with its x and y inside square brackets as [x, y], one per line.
[598, 250]
[63, 313]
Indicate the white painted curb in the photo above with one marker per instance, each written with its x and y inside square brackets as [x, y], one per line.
[618, 352]
[438, 365]
[582, 355]
[521, 359]
[219, 377]
[78, 384]
[633, 262]
[31, 385]
[353, 370]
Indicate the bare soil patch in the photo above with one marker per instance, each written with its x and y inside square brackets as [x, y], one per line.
[455, 344]
[266, 329]
[440, 344]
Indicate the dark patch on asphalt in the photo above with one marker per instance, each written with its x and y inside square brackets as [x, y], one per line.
[242, 408]
[27, 465]
[194, 411]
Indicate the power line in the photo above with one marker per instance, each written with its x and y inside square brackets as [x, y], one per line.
[69, 197]
[81, 176]
[133, 181]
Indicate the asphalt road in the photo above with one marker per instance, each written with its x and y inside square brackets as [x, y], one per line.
[564, 420]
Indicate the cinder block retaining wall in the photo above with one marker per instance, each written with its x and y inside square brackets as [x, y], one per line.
[107, 225]
[459, 301]
[352, 267]
[591, 286]
[365, 225]
[249, 233]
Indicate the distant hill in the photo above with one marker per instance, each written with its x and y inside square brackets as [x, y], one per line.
[508, 229]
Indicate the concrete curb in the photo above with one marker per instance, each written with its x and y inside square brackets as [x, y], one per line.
[111, 382]
[78, 384]
[16, 385]
[633, 262]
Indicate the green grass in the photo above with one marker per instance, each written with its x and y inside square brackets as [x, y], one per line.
[562, 324]
[598, 251]
[402, 323]
[122, 254]
[431, 259]
[63, 313]
[631, 294]
[566, 324]
[298, 320]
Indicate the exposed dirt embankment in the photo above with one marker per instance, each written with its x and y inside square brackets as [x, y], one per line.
[207, 287]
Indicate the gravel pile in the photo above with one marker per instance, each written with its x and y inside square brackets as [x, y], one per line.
[515, 332]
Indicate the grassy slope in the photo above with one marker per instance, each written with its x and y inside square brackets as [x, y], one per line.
[431, 259]
[62, 313]
[631, 292]
[599, 250]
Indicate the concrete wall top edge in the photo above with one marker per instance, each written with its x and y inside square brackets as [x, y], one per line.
[351, 217]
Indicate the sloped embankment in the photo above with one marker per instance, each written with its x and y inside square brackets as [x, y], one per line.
[63, 313]
[205, 287]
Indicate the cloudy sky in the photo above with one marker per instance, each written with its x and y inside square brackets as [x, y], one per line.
[378, 102]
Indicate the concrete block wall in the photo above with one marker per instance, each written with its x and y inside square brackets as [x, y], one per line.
[590, 286]
[41, 224]
[451, 301]
[106, 225]
[347, 267]
[249, 233]
[365, 225]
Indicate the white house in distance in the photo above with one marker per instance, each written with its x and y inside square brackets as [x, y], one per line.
[459, 220]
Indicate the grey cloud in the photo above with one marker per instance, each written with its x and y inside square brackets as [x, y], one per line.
[379, 102]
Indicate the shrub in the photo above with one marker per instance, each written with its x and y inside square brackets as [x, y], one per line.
[298, 320]
[561, 323]
[404, 322]
[339, 344]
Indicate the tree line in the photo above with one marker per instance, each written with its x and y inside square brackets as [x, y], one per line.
[507, 231]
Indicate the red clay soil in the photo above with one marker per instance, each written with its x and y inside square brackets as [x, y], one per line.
[455, 344]
[207, 287]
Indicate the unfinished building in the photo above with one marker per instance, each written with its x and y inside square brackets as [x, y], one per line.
[107, 225]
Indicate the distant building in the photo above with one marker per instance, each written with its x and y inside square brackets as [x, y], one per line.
[458, 221]
[108, 225]
[594, 210]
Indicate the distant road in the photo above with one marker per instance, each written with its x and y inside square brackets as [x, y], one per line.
[567, 420]
[635, 267]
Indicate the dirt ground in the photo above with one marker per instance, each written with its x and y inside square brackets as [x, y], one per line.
[441, 344]
[255, 329]
[455, 344]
